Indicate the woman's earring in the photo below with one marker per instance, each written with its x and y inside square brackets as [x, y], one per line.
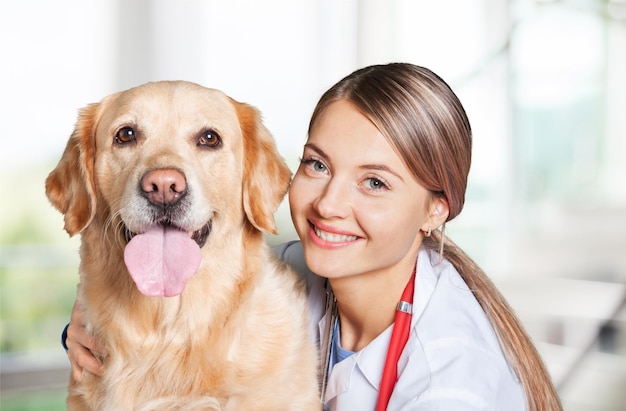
[427, 233]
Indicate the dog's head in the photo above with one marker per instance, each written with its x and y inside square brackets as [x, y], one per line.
[169, 156]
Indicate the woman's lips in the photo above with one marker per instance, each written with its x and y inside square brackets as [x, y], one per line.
[327, 237]
[333, 238]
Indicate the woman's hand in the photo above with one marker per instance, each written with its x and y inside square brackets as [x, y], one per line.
[81, 347]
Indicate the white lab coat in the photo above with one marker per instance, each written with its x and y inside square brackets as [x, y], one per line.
[452, 360]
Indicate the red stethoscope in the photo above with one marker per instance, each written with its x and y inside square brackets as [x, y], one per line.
[399, 337]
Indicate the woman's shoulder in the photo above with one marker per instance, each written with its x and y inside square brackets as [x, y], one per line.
[291, 252]
[450, 311]
[448, 314]
[456, 339]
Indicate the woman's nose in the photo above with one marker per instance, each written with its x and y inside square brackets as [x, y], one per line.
[333, 200]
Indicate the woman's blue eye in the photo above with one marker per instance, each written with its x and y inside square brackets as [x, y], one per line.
[375, 184]
[314, 164]
[318, 166]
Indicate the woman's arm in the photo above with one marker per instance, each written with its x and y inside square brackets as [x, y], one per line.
[81, 346]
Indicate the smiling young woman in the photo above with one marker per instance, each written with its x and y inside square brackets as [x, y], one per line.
[385, 164]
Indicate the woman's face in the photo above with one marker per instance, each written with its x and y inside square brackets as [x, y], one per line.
[354, 204]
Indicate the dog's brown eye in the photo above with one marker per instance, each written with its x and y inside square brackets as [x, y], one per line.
[210, 139]
[125, 135]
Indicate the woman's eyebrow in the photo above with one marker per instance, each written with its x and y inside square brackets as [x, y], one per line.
[316, 149]
[381, 167]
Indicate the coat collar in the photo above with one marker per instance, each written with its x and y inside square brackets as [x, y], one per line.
[370, 360]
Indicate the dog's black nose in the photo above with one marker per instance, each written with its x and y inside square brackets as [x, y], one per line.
[164, 186]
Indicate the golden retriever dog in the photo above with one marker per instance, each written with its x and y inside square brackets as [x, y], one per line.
[171, 186]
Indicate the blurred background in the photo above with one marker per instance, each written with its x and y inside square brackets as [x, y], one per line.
[543, 82]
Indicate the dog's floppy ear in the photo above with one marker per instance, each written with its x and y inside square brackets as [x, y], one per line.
[70, 187]
[266, 176]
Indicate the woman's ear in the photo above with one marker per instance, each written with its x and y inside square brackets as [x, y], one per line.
[438, 212]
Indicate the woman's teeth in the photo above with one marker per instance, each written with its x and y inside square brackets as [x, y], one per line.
[334, 238]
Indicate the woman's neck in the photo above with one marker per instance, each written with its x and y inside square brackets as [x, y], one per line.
[367, 304]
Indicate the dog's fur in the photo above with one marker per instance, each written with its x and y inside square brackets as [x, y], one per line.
[236, 338]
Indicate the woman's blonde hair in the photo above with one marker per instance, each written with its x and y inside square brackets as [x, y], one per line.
[426, 124]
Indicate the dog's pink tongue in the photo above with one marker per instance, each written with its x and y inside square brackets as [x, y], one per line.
[161, 261]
